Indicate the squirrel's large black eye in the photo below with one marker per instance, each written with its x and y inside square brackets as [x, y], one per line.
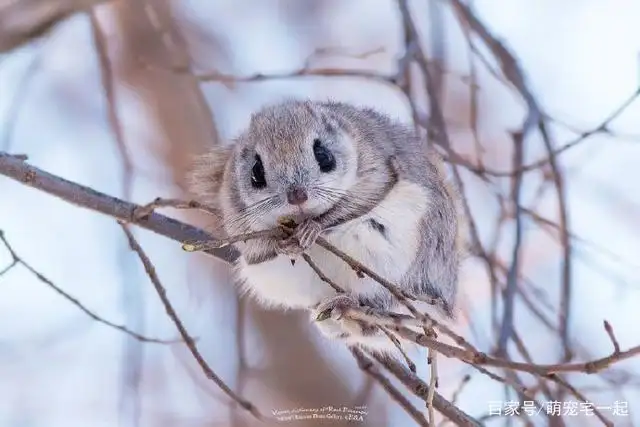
[324, 157]
[257, 174]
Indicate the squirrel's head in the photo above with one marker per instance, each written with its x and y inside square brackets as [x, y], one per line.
[295, 159]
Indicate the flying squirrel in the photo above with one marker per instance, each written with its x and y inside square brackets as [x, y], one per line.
[366, 183]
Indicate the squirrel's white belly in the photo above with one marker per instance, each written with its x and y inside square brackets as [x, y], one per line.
[387, 245]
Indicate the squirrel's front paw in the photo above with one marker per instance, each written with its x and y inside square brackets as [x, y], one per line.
[330, 317]
[303, 238]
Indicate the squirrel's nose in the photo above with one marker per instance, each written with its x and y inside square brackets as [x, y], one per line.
[297, 196]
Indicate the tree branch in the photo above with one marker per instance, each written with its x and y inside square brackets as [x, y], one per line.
[25, 20]
[16, 168]
[17, 260]
[190, 342]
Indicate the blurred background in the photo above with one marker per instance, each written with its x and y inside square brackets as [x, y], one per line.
[121, 95]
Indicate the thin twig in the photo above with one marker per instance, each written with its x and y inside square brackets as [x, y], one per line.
[482, 359]
[420, 389]
[456, 394]
[612, 337]
[159, 202]
[515, 385]
[360, 268]
[321, 275]
[302, 72]
[556, 378]
[367, 366]
[197, 246]
[602, 127]
[506, 329]
[433, 384]
[387, 319]
[398, 345]
[365, 316]
[17, 260]
[189, 341]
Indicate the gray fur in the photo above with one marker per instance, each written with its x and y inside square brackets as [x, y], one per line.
[385, 152]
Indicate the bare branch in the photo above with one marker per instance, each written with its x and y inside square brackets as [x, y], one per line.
[480, 358]
[535, 119]
[512, 277]
[159, 202]
[26, 20]
[16, 260]
[421, 389]
[612, 337]
[189, 341]
[433, 384]
[321, 275]
[367, 366]
[17, 169]
[302, 72]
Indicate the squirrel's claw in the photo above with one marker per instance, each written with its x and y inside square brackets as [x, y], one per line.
[335, 308]
[307, 233]
[303, 238]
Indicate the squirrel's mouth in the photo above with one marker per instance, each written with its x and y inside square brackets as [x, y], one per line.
[299, 214]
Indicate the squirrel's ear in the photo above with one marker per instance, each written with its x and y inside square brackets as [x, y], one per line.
[333, 119]
[204, 178]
